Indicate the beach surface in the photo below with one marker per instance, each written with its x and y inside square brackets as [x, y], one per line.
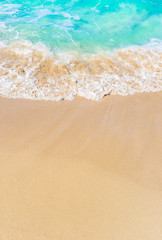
[81, 170]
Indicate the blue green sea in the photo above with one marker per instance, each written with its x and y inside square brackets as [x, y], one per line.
[57, 49]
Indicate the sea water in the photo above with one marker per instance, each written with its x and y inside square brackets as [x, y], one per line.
[57, 49]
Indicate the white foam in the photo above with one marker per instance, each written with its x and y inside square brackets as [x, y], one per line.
[131, 70]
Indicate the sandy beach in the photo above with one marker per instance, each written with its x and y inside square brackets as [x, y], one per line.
[81, 170]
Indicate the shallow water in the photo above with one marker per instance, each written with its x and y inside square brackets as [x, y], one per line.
[60, 49]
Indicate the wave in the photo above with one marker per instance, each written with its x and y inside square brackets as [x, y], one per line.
[34, 72]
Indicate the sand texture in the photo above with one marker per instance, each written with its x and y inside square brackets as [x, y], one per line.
[81, 170]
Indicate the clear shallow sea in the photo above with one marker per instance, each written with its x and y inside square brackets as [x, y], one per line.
[58, 49]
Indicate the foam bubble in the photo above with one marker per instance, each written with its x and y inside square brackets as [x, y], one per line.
[33, 72]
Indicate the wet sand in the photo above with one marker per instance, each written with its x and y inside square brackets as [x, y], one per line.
[81, 170]
[33, 72]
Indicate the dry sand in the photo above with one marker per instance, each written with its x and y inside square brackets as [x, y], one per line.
[81, 170]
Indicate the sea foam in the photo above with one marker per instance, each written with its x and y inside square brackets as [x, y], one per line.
[34, 72]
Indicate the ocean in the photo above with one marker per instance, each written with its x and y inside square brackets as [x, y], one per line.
[59, 49]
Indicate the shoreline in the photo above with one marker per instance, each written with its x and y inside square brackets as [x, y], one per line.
[82, 97]
[32, 71]
[81, 169]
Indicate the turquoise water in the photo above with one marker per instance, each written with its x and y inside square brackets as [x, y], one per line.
[84, 26]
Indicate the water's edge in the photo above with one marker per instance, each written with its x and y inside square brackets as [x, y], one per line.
[33, 72]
